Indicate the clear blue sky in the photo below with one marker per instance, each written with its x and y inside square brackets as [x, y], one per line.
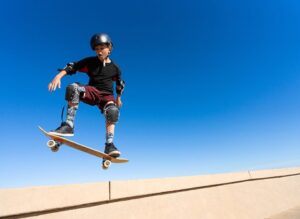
[211, 86]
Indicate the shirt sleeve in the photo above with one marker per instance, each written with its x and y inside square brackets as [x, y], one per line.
[72, 67]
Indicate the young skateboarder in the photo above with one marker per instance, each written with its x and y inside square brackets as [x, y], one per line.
[102, 73]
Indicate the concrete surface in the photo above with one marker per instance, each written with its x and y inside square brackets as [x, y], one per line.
[245, 195]
[293, 213]
[38, 199]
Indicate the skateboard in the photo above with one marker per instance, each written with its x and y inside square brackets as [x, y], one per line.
[56, 141]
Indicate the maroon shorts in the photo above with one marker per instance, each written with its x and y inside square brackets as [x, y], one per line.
[95, 97]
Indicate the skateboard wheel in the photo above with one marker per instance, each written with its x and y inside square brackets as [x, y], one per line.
[53, 145]
[106, 164]
[54, 149]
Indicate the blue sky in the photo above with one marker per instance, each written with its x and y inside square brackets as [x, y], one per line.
[211, 87]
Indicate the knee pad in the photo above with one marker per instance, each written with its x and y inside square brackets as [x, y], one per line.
[74, 92]
[111, 113]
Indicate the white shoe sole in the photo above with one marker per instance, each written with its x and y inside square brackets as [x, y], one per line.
[115, 154]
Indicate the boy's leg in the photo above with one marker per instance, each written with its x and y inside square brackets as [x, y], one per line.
[71, 112]
[111, 113]
[73, 94]
[110, 147]
[110, 132]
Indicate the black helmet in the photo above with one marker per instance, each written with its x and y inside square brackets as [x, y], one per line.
[100, 38]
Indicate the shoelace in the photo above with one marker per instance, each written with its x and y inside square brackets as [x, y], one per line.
[62, 114]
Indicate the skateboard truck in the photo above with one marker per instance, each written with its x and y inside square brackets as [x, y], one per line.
[53, 145]
[106, 164]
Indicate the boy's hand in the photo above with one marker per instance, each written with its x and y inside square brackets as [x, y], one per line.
[56, 81]
[119, 101]
[54, 84]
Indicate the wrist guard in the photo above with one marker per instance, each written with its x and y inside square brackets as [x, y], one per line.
[120, 87]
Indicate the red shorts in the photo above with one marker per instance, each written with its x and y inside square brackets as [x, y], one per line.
[95, 97]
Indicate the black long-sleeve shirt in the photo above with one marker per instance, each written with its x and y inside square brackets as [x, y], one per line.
[101, 77]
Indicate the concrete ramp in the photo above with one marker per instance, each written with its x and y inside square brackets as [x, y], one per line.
[245, 195]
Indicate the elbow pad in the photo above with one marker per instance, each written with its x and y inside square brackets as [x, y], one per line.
[69, 68]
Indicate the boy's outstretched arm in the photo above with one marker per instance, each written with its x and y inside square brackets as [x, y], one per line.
[56, 81]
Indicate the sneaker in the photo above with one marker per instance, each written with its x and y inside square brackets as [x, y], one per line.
[111, 150]
[64, 130]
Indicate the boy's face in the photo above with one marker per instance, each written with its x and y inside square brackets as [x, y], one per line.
[102, 51]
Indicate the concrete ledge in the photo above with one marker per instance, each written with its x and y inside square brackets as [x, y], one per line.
[133, 188]
[247, 195]
[36, 199]
[258, 174]
[123, 189]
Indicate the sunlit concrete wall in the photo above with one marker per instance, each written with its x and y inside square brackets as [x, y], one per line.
[250, 194]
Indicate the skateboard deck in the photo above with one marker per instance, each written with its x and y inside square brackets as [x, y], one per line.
[55, 142]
